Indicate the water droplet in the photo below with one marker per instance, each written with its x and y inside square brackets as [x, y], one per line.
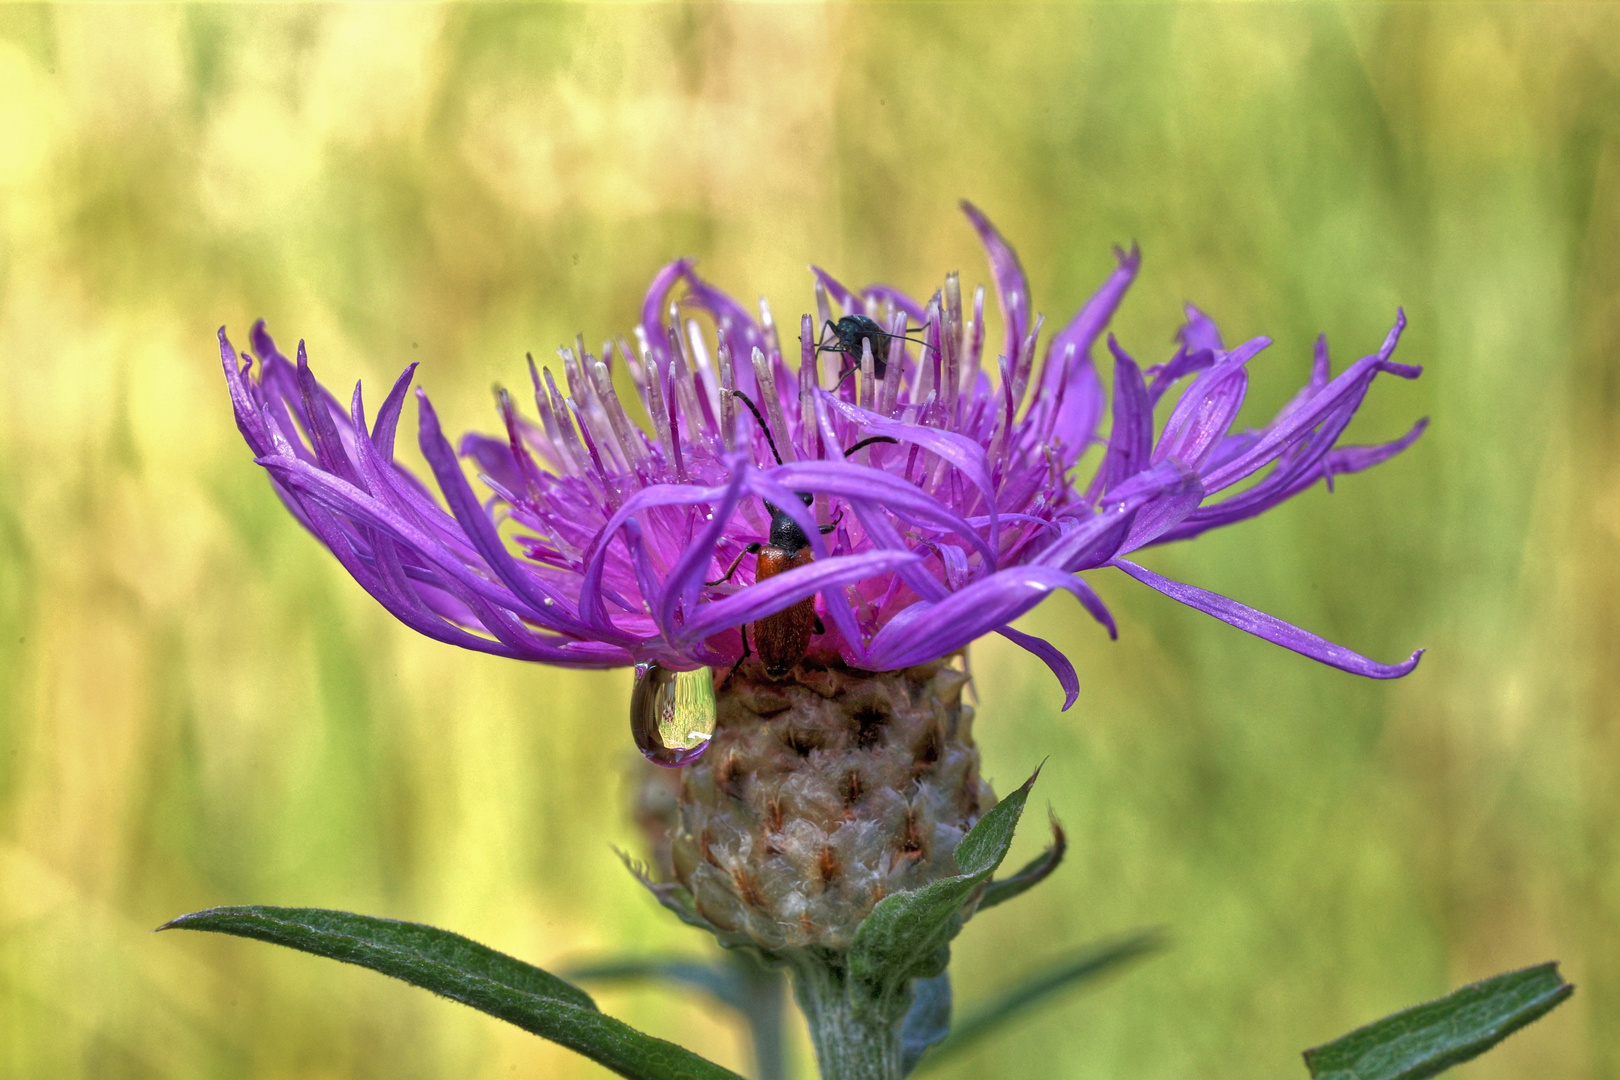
[672, 714]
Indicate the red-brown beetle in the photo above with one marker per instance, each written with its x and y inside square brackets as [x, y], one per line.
[783, 638]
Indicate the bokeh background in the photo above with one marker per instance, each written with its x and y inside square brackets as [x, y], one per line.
[197, 707]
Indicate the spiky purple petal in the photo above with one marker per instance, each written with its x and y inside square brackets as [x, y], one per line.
[598, 542]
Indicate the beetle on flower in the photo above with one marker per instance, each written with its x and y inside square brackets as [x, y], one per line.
[599, 542]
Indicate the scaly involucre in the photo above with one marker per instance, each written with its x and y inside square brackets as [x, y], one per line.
[596, 544]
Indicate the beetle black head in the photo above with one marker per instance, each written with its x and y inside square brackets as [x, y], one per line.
[785, 532]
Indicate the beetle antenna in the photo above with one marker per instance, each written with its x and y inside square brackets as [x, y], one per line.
[763, 426]
[870, 441]
[903, 337]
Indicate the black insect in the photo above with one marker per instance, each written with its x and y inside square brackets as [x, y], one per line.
[783, 638]
[850, 332]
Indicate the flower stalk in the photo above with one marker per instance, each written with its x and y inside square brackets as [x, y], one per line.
[850, 1043]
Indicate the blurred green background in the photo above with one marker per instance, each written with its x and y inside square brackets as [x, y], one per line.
[197, 707]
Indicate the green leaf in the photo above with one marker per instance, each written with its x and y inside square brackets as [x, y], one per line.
[1034, 872]
[1092, 963]
[738, 980]
[907, 934]
[1426, 1040]
[465, 971]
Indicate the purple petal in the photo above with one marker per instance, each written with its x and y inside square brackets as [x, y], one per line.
[741, 333]
[653, 316]
[648, 498]
[1053, 659]
[382, 433]
[494, 458]
[1351, 383]
[1079, 402]
[1092, 319]
[469, 514]
[1011, 287]
[860, 483]
[1199, 332]
[1353, 459]
[967, 456]
[1096, 539]
[323, 431]
[886, 293]
[1131, 441]
[1206, 411]
[838, 291]
[1160, 516]
[1184, 363]
[250, 420]
[1269, 627]
[925, 631]
[490, 603]
[1283, 485]
[778, 593]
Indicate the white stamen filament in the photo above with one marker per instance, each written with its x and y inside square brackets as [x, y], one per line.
[772, 342]
[657, 410]
[565, 426]
[975, 344]
[923, 388]
[868, 364]
[728, 404]
[598, 466]
[545, 438]
[686, 401]
[629, 440]
[589, 406]
[809, 383]
[548, 421]
[705, 366]
[1026, 363]
[889, 392]
[773, 406]
[577, 388]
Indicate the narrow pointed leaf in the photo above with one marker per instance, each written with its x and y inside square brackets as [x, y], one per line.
[737, 980]
[1426, 1040]
[465, 971]
[1034, 872]
[907, 934]
[1083, 968]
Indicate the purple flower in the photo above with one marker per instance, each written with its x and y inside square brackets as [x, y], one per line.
[597, 543]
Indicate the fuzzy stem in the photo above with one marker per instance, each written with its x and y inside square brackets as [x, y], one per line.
[851, 1043]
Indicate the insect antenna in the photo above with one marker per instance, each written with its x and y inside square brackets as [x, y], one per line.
[763, 426]
[870, 441]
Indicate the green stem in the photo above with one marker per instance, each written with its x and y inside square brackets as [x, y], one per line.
[851, 1043]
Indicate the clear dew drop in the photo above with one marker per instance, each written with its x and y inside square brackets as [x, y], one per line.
[672, 714]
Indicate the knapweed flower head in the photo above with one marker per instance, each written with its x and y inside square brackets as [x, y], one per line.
[934, 491]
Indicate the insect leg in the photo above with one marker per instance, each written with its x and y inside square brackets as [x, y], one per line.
[751, 549]
[743, 630]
